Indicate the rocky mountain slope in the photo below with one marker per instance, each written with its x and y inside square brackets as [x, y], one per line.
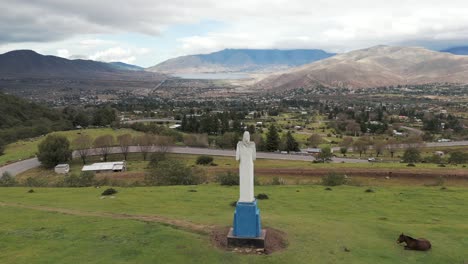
[374, 67]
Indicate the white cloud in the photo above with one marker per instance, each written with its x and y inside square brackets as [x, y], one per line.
[64, 53]
[333, 25]
[119, 54]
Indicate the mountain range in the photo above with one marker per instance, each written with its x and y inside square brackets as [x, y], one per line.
[463, 50]
[240, 60]
[30, 64]
[374, 67]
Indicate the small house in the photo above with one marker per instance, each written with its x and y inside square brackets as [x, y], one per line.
[62, 169]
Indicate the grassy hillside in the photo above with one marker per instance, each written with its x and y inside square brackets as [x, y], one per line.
[22, 119]
[319, 224]
[24, 149]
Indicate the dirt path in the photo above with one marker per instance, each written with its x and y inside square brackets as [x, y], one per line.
[182, 224]
[419, 173]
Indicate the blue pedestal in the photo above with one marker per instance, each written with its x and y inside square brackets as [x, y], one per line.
[247, 220]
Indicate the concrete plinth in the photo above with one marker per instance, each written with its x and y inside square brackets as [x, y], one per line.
[255, 242]
[247, 220]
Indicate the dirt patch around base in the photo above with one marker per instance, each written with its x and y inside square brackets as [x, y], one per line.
[276, 240]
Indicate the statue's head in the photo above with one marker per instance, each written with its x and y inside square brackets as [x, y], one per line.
[246, 137]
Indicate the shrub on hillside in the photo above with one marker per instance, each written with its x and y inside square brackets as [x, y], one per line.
[85, 179]
[412, 155]
[262, 196]
[173, 172]
[228, 179]
[333, 179]
[109, 191]
[204, 160]
[458, 157]
[155, 158]
[7, 180]
[277, 181]
[34, 182]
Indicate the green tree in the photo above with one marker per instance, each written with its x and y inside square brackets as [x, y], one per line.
[291, 143]
[53, 150]
[272, 140]
[379, 147]
[82, 144]
[315, 140]
[343, 150]
[458, 157]
[325, 154]
[104, 145]
[412, 155]
[125, 141]
[2, 147]
[361, 145]
[228, 140]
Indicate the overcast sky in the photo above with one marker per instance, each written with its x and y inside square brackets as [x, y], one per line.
[145, 32]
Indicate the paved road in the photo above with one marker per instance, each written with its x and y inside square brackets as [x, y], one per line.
[20, 166]
[414, 130]
[24, 165]
[146, 120]
[427, 144]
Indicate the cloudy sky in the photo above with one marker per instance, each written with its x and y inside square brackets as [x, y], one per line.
[145, 32]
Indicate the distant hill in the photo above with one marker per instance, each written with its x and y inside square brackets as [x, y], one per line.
[240, 60]
[30, 64]
[457, 50]
[374, 67]
[124, 66]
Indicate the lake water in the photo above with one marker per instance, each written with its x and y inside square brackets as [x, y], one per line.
[213, 76]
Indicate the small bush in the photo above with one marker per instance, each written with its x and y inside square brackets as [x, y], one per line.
[333, 179]
[85, 179]
[410, 165]
[328, 189]
[192, 190]
[109, 191]
[34, 182]
[262, 196]
[7, 180]
[155, 158]
[228, 179]
[31, 191]
[277, 181]
[369, 191]
[204, 160]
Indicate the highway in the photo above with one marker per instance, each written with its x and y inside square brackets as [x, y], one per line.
[24, 165]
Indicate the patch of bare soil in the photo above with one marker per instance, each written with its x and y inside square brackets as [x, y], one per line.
[368, 172]
[275, 241]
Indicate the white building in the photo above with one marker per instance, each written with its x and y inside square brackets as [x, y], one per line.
[115, 166]
[62, 168]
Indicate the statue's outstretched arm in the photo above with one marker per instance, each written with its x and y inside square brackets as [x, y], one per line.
[237, 152]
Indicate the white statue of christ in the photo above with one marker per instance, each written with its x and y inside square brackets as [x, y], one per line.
[246, 154]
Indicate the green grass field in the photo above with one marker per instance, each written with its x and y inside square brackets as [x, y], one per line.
[318, 223]
[24, 149]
